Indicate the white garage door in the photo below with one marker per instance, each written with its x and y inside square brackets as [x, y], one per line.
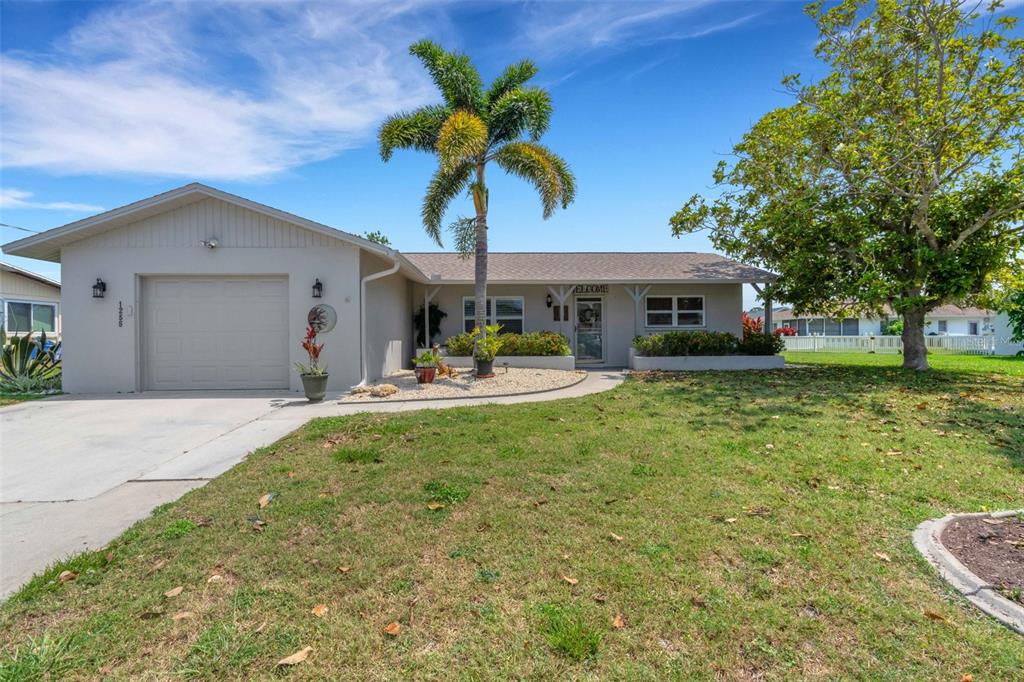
[214, 332]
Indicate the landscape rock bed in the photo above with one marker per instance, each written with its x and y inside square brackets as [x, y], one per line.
[507, 381]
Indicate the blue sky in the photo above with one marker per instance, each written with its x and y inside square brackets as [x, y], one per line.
[107, 103]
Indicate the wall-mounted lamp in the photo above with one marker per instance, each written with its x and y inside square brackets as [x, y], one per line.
[99, 289]
[549, 300]
[318, 289]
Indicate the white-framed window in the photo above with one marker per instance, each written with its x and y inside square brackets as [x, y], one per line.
[972, 328]
[25, 316]
[943, 326]
[508, 311]
[674, 311]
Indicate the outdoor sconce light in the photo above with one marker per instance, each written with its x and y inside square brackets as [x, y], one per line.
[318, 289]
[549, 300]
[99, 288]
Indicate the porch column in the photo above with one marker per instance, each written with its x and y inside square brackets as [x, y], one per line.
[767, 314]
[560, 297]
[637, 293]
[428, 296]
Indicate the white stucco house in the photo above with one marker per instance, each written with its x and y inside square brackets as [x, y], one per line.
[197, 288]
[29, 302]
[945, 320]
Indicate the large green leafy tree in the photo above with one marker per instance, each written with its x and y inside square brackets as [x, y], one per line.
[897, 178]
[471, 128]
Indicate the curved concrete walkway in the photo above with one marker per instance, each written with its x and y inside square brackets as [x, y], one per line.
[76, 471]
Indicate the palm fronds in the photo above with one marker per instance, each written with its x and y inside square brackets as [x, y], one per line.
[463, 137]
[520, 110]
[463, 231]
[514, 76]
[547, 171]
[417, 129]
[444, 186]
[453, 74]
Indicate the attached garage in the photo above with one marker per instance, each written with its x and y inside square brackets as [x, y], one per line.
[214, 333]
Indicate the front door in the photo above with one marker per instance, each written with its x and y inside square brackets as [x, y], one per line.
[589, 330]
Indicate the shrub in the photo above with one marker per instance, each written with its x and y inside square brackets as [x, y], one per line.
[752, 325]
[784, 331]
[29, 364]
[686, 343]
[761, 344]
[531, 343]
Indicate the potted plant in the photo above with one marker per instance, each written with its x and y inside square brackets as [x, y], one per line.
[486, 350]
[314, 377]
[426, 367]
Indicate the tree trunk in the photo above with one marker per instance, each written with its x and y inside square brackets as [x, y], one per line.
[480, 274]
[915, 354]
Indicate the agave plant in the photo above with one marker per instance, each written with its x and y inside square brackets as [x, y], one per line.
[28, 363]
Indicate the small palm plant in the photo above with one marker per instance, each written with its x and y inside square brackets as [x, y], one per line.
[474, 126]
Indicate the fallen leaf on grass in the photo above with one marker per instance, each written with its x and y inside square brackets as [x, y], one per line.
[296, 658]
[434, 506]
[731, 520]
[392, 629]
[992, 522]
[215, 578]
[883, 556]
[617, 538]
[967, 678]
[769, 446]
[265, 500]
[619, 622]
[932, 615]
[542, 501]
[174, 592]
[319, 610]
[344, 569]
[156, 567]
[66, 576]
[571, 581]
[182, 615]
[600, 597]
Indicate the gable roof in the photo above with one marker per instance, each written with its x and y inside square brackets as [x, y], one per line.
[555, 268]
[46, 245]
[42, 279]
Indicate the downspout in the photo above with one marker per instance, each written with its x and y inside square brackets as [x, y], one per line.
[393, 255]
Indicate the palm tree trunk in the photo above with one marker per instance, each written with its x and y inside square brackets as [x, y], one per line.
[480, 274]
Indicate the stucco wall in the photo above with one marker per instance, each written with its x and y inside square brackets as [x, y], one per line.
[388, 319]
[101, 356]
[723, 304]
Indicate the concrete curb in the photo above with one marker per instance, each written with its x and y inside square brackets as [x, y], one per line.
[927, 541]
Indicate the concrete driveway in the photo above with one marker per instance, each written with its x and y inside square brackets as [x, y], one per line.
[76, 471]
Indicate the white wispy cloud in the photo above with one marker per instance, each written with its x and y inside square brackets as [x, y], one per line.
[211, 90]
[19, 198]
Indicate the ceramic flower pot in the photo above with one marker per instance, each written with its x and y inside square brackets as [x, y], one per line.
[315, 386]
[425, 375]
[484, 369]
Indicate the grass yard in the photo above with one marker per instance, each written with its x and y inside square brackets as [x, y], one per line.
[1013, 366]
[735, 525]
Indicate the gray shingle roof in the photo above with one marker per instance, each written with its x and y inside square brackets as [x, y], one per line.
[549, 267]
[948, 310]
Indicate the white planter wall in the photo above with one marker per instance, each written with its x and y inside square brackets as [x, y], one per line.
[699, 363]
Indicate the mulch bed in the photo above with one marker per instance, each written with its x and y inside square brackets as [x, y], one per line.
[993, 549]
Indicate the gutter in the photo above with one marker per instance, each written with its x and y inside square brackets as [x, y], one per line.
[395, 265]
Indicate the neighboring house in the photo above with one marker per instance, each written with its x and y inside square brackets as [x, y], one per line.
[946, 320]
[200, 289]
[29, 302]
[1004, 337]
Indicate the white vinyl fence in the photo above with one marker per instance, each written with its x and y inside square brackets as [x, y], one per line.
[962, 345]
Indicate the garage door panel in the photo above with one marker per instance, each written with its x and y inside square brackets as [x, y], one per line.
[215, 332]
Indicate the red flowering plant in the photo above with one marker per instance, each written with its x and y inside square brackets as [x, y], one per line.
[752, 325]
[784, 331]
[313, 350]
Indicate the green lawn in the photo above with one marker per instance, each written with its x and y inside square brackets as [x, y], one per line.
[744, 525]
[955, 363]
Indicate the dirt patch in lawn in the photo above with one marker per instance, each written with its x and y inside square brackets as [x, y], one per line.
[993, 549]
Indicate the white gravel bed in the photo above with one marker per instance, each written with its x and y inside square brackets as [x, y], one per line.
[506, 381]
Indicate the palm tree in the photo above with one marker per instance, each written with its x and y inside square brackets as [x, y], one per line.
[473, 127]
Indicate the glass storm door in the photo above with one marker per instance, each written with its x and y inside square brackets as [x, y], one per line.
[589, 330]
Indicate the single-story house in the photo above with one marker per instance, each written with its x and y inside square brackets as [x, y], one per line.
[29, 302]
[197, 288]
[945, 320]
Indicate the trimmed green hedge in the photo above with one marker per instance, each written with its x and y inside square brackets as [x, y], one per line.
[674, 344]
[531, 343]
